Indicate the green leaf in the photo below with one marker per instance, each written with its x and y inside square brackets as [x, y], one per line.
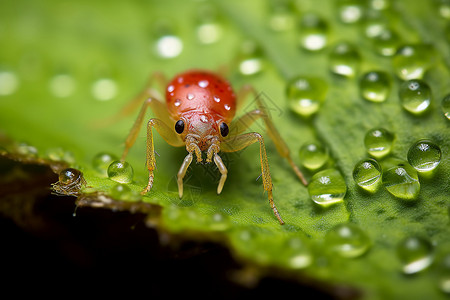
[69, 65]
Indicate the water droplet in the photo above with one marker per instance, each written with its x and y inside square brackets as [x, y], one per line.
[386, 42]
[68, 176]
[216, 99]
[295, 253]
[177, 102]
[250, 58]
[70, 181]
[313, 156]
[306, 94]
[378, 142]
[123, 192]
[313, 32]
[344, 59]
[203, 83]
[402, 181]
[282, 15]
[209, 24]
[375, 86]
[347, 240]
[444, 8]
[120, 171]
[227, 107]
[412, 61]
[350, 11]
[424, 156]
[104, 89]
[415, 254]
[101, 162]
[62, 85]
[59, 154]
[367, 174]
[327, 187]
[27, 150]
[445, 105]
[190, 96]
[443, 272]
[415, 96]
[169, 46]
[8, 83]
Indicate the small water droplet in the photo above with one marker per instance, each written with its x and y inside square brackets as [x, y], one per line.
[169, 46]
[27, 150]
[203, 83]
[104, 89]
[171, 88]
[190, 96]
[62, 85]
[424, 156]
[415, 96]
[378, 142]
[350, 11]
[216, 99]
[296, 253]
[101, 162]
[313, 156]
[386, 42]
[250, 58]
[445, 105]
[227, 107]
[415, 254]
[347, 240]
[375, 86]
[282, 15]
[306, 94]
[120, 171]
[443, 272]
[70, 181]
[209, 24]
[401, 181]
[177, 102]
[313, 32]
[344, 59]
[412, 61]
[8, 83]
[327, 187]
[59, 154]
[367, 174]
[68, 176]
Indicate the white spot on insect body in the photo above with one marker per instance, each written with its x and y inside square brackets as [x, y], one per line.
[203, 83]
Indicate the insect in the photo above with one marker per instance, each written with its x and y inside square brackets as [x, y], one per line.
[199, 113]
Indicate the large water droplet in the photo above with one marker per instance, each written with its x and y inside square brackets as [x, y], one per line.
[415, 96]
[313, 156]
[347, 240]
[282, 15]
[367, 174]
[412, 61]
[378, 142]
[344, 59]
[375, 86]
[305, 95]
[313, 32]
[424, 156]
[402, 181]
[445, 105]
[120, 171]
[327, 187]
[415, 254]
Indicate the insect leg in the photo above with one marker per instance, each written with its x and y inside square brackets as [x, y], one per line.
[244, 122]
[168, 135]
[236, 143]
[223, 171]
[182, 172]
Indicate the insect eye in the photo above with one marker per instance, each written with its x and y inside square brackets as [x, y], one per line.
[224, 129]
[179, 126]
